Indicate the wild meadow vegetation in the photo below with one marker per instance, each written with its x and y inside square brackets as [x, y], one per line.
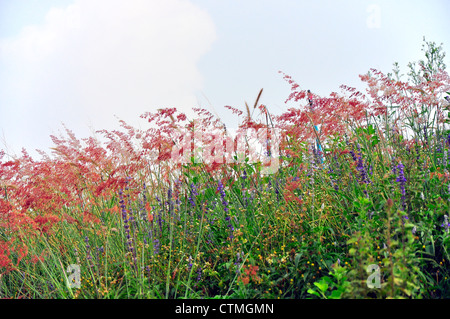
[360, 187]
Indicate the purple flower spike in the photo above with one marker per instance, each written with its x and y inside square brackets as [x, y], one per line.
[221, 190]
[402, 180]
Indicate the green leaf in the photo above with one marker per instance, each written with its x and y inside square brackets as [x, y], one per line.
[322, 286]
[313, 292]
[326, 279]
[336, 294]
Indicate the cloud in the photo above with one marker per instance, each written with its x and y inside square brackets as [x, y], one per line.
[99, 58]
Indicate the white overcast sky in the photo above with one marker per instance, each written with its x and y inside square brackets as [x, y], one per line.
[86, 63]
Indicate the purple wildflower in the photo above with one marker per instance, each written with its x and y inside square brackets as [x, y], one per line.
[122, 205]
[402, 180]
[446, 224]
[394, 168]
[199, 274]
[353, 155]
[221, 190]
[239, 258]
[126, 225]
[416, 145]
[333, 182]
[192, 194]
[360, 167]
[277, 191]
[156, 246]
[190, 263]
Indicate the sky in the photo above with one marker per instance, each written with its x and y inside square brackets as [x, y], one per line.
[88, 63]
